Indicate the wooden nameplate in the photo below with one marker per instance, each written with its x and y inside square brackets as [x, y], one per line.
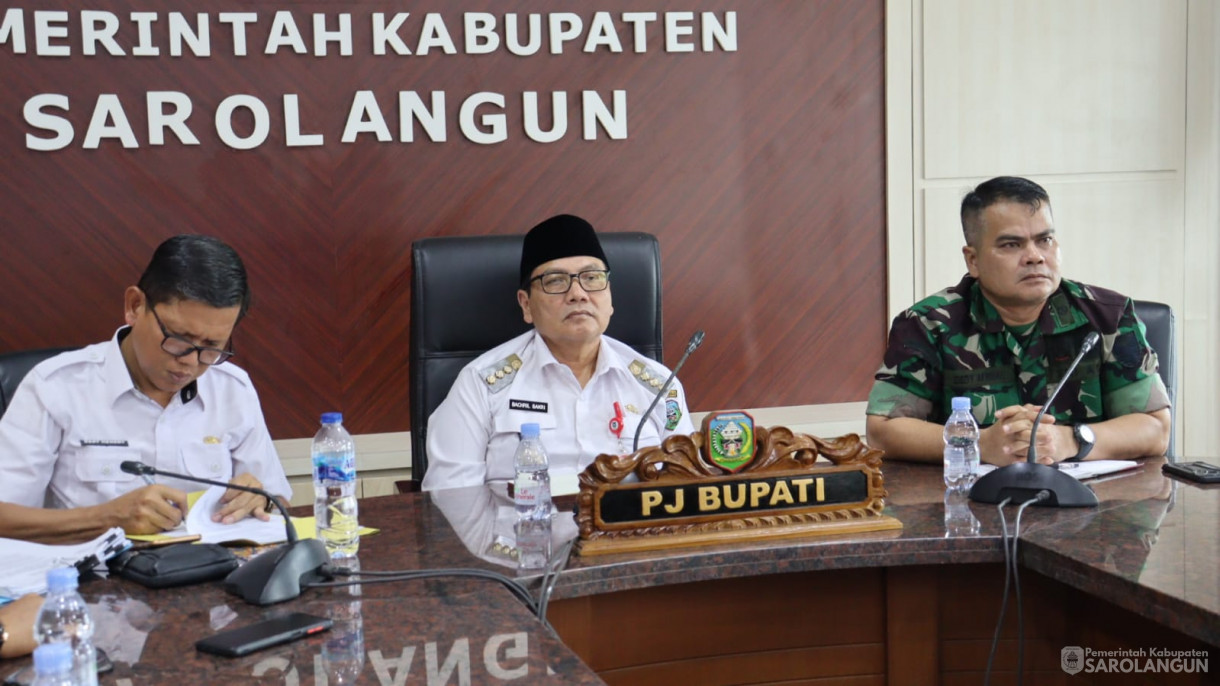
[683, 498]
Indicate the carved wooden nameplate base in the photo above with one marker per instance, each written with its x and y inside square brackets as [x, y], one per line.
[683, 498]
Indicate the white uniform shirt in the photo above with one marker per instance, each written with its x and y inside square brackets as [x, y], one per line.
[78, 415]
[473, 434]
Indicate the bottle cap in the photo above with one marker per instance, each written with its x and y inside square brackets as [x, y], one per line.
[62, 578]
[53, 658]
[530, 430]
[960, 404]
[332, 417]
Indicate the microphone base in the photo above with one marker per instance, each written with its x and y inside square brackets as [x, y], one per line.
[1022, 481]
[277, 575]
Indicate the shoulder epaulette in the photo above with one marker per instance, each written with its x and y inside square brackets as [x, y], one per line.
[501, 374]
[642, 373]
[86, 355]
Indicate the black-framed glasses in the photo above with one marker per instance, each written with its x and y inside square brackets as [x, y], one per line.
[556, 283]
[180, 347]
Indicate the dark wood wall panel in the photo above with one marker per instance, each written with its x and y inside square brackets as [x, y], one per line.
[760, 170]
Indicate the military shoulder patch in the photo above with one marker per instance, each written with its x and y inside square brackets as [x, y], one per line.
[501, 374]
[645, 376]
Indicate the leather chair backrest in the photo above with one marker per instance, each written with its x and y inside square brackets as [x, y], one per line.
[464, 302]
[1162, 336]
[14, 366]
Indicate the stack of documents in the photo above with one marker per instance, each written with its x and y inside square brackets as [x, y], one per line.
[24, 565]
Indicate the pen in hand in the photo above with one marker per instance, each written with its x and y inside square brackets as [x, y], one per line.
[149, 480]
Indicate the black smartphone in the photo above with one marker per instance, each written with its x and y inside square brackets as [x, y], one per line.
[1195, 471]
[247, 639]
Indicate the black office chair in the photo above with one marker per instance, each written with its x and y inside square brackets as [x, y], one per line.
[464, 302]
[14, 366]
[1162, 336]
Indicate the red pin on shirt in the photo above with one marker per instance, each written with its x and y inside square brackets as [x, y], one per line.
[616, 422]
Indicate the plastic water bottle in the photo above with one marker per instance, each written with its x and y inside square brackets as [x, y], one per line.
[334, 487]
[959, 520]
[343, 651]
[961, 447]
[532, 496]
[64, 618]
[53, 665]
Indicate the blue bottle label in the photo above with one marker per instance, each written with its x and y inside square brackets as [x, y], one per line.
[334, 468]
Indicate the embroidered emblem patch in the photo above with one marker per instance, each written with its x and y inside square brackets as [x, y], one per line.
[673, 415]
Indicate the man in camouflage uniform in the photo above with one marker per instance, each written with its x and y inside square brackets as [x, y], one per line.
[1004, 337]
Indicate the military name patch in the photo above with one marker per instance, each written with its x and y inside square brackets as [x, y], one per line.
[103, 443]
[527, 405]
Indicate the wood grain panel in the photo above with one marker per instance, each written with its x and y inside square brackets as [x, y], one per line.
[855, 665]
[732, 624]
[761, 171]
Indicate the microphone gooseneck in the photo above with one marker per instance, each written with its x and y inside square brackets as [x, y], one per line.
[139, 468]
[695, 341]
[1089, 341]
[1023, 482]
[272, 576]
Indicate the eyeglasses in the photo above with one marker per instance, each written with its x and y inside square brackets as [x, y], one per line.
[180, 347]
[556, 283]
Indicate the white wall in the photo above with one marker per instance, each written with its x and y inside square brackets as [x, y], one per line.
[1109, 104]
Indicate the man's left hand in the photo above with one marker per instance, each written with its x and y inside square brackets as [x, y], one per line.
[237, 505]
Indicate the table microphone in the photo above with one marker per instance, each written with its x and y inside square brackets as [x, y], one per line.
[695, 341]
[1085, 347]
[270, 577]
[1022, 481]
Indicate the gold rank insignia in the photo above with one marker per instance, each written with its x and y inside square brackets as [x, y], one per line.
[500, 375]
[211, 440]
[639, 369]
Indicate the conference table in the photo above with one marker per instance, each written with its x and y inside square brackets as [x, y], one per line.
[917, 605]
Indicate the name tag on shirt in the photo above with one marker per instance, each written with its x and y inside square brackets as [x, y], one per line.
[103, 444]
[527, 405]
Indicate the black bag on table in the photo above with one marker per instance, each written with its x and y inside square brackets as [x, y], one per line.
[174, 565]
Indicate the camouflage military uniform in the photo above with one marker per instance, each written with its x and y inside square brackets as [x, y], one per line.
[954, 343]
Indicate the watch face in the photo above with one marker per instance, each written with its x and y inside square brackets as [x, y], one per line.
[1084, 433]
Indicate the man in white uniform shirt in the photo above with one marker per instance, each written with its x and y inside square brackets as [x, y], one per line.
[586, 391]
[142, 396]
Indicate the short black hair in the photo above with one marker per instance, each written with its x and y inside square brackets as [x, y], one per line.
[194, 267]
[999, 189]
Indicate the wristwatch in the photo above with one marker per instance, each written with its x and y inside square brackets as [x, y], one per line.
[3, 635]
[1085, 438]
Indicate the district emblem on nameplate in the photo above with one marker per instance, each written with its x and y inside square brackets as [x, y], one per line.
[730, 439]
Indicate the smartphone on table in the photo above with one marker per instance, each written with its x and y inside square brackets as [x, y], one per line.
[248, 639]
[1201, 472]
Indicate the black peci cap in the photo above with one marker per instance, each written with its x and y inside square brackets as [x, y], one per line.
[560, 236]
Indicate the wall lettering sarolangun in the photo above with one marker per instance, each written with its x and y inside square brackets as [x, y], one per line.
[244, 121]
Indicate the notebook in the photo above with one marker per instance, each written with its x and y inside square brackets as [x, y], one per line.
[1082, 470]
[250, 530]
